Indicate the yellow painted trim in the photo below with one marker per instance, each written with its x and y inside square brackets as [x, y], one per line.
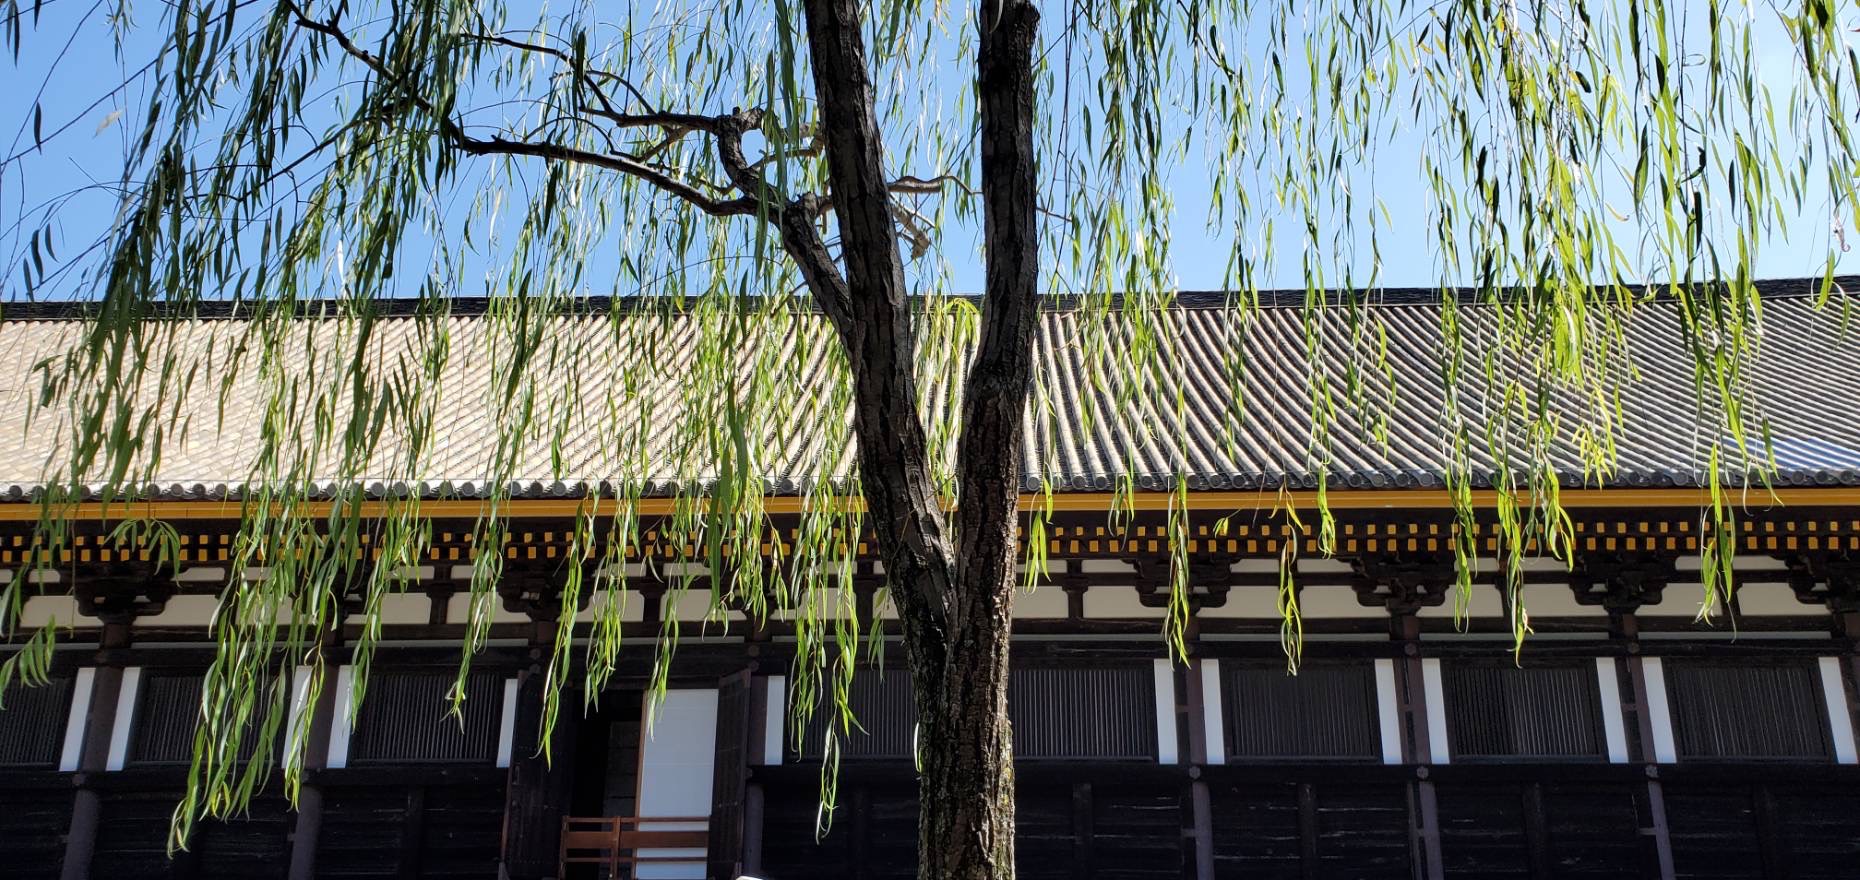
[1390, 499]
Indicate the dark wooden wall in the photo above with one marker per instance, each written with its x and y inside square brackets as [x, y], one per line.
[387, 825]
[35, 813]
[1104, 823]
[1304, 822]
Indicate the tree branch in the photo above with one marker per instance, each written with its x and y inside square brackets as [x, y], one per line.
[875, 328]
[994, 406]
[911, 184]
[455, 134]
[626, 165]
[587, 75]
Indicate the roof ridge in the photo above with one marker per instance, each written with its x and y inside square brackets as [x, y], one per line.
[404, 307]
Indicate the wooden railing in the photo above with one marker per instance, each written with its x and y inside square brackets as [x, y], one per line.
[613, 843]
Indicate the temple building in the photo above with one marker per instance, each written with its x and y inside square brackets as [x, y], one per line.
[1629, 738]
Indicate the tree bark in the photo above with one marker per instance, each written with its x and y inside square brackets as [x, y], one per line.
[953, 599]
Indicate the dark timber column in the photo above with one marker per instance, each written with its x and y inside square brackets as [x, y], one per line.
[759, 714]
[1403, 584]
[1621, 584]
[1195, 720]
[116, 594]
[307, 830]
[538, 792]
[1831, 579]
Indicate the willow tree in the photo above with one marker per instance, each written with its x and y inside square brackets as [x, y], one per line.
[784, 181]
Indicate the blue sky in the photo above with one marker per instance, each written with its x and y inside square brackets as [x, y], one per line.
[88, 123]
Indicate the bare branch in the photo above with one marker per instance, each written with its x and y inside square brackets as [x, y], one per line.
[588, 76]
[911, 184]
[626, 165]
[813, 149]
[455, 134]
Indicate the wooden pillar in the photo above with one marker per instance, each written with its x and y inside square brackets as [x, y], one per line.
[307, 827]
[1831, 578]
[1620, 584]
[94, 755]
[115, 593]
[1417, 738]
[1841, 597]
[1403, 584]
[1308, 832]
[539, 789]
[1536, 831]
[413, 834]
[760, 713]
[1194, 725]
[1658, 861]
[1083, 856]
[537, 793]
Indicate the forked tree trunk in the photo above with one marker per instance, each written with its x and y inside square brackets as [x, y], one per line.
[952, 582]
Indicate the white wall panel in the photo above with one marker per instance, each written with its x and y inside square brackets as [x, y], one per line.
[677, 761]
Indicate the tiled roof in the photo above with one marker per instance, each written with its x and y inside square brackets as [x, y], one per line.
[1803, 383]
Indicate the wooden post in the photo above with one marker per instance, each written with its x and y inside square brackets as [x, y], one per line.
[538, 792]
[753, 804]
[307, 828]
[1847, 633]
[115, 593]
[1307, 831]
[413, 834]
[1416, 738]
[1536, 831]
[1194, 720]
[1082, 809]
[94, 756]
[1621, 584]
[1624, 626]
[752, 827]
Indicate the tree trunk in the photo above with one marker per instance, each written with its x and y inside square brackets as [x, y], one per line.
[966, 746]
[953, 592]
[966, 795]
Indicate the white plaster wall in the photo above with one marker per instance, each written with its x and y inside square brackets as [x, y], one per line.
[1319, 565]
[403, 608]
[1483, 600]
[1247, 602]
[676, 763]
[1743, 562]
[458, 610]
[187, 611]
[632, 606]
[692, 605]
[1679, 600]
[1557, 600]
[1119, 603]
[827, 603]
[40, 610]
[1044, 602]
[1317, 602]
[1759, 598]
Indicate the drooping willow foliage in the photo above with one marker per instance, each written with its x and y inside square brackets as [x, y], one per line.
[306, 159]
